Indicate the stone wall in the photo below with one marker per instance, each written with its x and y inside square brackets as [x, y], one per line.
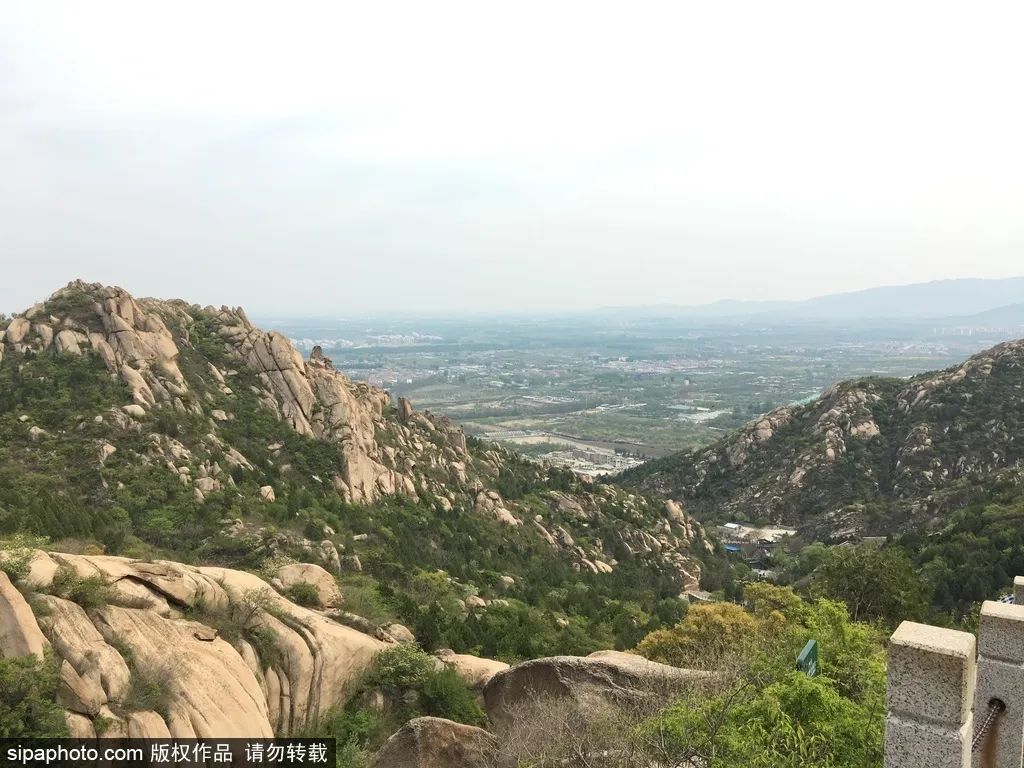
[955, 701]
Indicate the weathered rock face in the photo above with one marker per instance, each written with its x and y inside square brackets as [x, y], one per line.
[430, 742]
[319, 402]
[212, 690]
[303, 664]
[19, 633]
[587, 684]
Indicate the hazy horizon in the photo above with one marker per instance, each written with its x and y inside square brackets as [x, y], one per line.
[754, 305]
[464, 158]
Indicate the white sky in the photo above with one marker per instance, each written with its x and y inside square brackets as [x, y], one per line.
[345, 157]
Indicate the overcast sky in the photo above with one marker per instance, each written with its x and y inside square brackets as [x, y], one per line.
[340, 158]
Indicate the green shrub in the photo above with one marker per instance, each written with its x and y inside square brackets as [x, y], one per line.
[28, 688]
[149, 689]
[16, 553]
[264, 642]
[88, 592]
[400, 667]
[398, 671]
[351, 755]
[349, 726]
[241, 621]
[445, 694]
[362, 597]
[305, 594]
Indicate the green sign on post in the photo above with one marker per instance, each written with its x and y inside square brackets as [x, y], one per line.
[807, 661]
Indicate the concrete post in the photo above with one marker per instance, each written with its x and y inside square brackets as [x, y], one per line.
[931, 689]
[1018, 590]
[1001, 676]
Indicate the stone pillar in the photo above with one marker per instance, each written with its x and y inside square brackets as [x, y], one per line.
[1001, 676]
[1018, 590]
[931, 689]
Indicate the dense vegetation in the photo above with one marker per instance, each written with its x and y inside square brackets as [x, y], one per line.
[758, 711]
[774, 715]
[28, 687]
[941, 579]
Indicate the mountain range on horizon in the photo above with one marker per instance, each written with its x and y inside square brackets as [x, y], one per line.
[978, 300]
[938, 299]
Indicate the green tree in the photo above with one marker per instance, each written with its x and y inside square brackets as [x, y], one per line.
[28, 688]
[875, 583]
[704, 637]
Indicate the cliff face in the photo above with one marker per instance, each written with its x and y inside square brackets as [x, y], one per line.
[869, 456]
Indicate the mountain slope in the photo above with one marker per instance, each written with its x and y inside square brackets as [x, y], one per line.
[159, 428]
[870, 456]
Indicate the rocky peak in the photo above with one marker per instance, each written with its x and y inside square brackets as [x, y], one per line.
[179, 361]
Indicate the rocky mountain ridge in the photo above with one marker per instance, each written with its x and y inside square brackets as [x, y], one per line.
[196, 363]
[871, 456]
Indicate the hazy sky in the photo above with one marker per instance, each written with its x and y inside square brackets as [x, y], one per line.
[344, 157]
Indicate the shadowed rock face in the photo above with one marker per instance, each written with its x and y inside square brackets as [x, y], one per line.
[430, 742]
[589, 684]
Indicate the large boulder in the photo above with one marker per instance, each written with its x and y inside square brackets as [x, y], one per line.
[399, 633]
[321, 662]
[77, 641]
[147, 725]
[474, 670]
[19, 633]
[430, 742]
[326, 587]
[17, 329]
[590, 685]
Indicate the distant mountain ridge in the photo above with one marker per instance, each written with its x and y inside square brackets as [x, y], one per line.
[870, 456]
[1009, 315]
[936, 299]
